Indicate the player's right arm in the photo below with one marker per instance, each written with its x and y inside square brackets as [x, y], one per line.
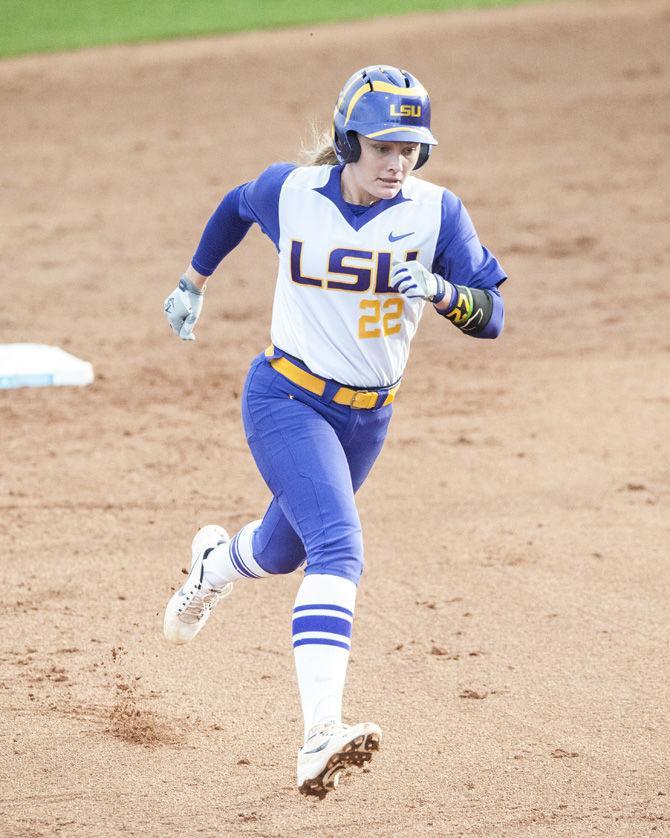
[256, 201]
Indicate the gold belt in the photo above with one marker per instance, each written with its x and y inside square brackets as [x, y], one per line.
[356, 399]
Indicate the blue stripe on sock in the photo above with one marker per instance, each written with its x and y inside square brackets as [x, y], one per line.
[323, 607]
[237, 561]
[333, 625]
[320, 641]
[241, 560]
[234, 560]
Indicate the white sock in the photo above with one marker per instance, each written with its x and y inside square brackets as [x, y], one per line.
[322, 618]
[234, 560]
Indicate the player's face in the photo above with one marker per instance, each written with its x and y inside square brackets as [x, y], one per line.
[382, 168]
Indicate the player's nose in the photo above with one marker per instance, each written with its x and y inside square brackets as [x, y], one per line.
[394, 163]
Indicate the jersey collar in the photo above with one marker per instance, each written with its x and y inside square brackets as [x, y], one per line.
[333, 191]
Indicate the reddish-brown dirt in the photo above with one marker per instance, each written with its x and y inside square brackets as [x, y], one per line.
[513, 621]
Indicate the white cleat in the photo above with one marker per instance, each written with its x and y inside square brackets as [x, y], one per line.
[331, 749]
[189, 608]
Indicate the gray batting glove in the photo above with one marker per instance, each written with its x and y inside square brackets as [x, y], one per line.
[182, 308]
[413, 280]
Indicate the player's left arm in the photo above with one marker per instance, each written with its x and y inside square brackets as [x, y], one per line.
[464, 283]
[475, 311]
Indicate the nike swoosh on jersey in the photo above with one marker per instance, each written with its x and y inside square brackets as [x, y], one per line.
[393, 238]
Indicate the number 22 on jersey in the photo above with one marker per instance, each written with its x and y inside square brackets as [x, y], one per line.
[384, 318]
[378, 318]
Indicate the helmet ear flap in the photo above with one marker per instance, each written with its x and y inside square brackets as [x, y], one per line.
[354, 145]
[424, 154]
[347, 146]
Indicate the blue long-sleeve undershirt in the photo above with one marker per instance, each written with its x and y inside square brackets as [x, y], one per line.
[253, 202]
[223, 232]
[497, 320]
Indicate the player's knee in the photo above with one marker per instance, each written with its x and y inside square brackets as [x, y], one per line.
[341, 556]
[276, 547]
[279, 557]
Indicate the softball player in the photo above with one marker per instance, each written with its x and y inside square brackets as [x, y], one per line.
[362, 247]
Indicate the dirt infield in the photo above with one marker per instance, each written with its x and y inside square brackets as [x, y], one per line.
[513, 621]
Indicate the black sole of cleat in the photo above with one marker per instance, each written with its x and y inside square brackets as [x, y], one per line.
[356, 754]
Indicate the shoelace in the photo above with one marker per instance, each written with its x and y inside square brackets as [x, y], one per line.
[201, 603]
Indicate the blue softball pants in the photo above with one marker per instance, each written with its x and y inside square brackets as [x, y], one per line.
[314, 455]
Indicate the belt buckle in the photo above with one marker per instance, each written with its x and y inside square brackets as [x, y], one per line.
[364, 400]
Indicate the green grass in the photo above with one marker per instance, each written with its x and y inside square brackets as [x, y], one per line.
[28, 26]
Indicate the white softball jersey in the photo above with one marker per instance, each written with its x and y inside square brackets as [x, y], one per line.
[333, 307]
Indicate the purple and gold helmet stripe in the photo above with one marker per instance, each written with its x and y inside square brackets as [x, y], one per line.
[415, 129]
[347, 88]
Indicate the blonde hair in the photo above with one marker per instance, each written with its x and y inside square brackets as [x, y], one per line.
[319, 151]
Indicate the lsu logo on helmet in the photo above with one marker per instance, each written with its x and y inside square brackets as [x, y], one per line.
[405, 110]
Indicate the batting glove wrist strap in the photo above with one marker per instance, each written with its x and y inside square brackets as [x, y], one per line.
[441, 292]
[414, 281]
[185, 284]
[182, 308]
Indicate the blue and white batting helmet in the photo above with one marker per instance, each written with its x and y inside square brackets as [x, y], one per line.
[382, 102]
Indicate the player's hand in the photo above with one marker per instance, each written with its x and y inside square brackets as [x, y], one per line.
[413, 280]
[182, 308]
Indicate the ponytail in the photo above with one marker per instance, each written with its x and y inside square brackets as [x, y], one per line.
[320, 151]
